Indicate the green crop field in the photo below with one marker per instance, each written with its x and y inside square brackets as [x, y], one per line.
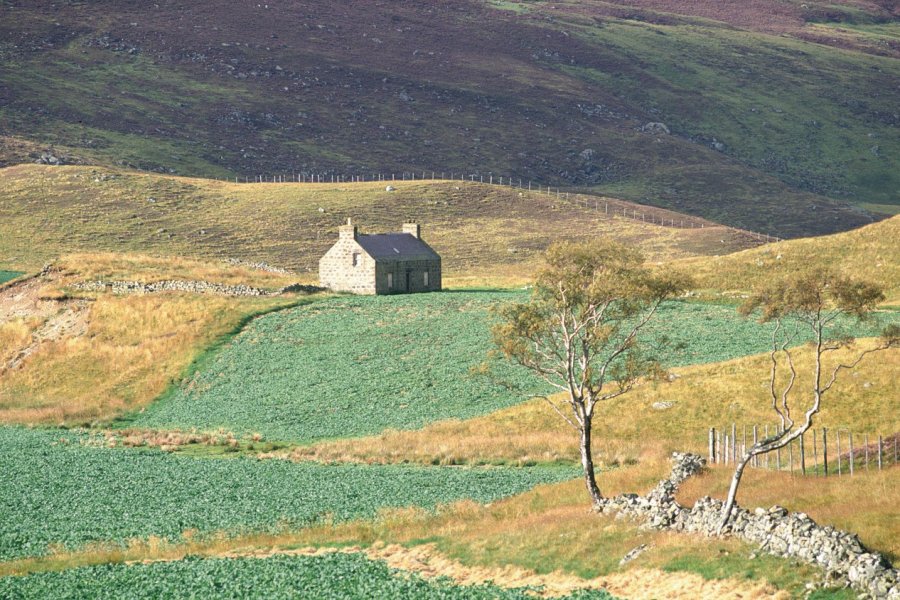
[74, 493]
[349, 367]
[335, 575]
[8, 275]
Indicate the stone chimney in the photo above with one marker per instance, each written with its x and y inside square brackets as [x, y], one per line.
[348, 231]
[413, 229]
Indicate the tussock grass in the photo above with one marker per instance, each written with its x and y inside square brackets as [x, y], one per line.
[133, 349]
[869, 253]
[109, 266]
[478, 229]
[865, 504]
[630, 428]
[113, 354]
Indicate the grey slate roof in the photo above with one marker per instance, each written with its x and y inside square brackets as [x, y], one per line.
[396, 246]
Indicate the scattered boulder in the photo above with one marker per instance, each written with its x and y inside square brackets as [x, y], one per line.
[633, 554]
[656, 128]
[48, 158]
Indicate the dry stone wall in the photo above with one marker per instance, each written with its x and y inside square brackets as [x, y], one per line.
[194, 287]
[842, 557]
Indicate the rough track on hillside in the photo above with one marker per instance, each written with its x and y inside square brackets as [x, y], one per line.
[426, 561]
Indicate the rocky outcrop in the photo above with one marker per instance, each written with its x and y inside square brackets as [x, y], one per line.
[842, 557]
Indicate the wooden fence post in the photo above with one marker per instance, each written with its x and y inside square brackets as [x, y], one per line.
[850, 441]
[778, 455]
[802, 457]
[712, 445]
[879, 452]
[825, 450]
[767, 454]
[791, 457]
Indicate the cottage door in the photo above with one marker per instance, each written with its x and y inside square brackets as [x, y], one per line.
[407, 281]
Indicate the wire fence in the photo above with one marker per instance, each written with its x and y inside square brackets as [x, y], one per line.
[636, 212]
[821, 452]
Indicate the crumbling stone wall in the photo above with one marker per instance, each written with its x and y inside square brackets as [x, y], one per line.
[194, 287]
[842, 557]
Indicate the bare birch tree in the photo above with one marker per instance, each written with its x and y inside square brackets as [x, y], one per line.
[580, 331]
[810, 303]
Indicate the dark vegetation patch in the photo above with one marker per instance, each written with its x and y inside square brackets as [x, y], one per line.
[207, 89]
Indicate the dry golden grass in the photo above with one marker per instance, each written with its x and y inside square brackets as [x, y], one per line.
[134, 347]
[92, 356]
[109, 266]
[478, 229]
[871, 253]
[630, 428]
[865, 504]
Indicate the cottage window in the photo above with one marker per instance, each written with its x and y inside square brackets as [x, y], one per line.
[425, 278]
[356, 259]
[390, 281]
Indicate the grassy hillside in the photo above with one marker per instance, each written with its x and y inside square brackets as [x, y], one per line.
[270, 378]
[764, 100]
[869, 253]
[478, 229]
[631, 430]
[701, 396]
[75, 357]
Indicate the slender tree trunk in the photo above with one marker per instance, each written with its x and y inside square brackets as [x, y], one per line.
[587, 463]
[732, 491]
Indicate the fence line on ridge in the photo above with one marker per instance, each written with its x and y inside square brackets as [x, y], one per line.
[650, 215]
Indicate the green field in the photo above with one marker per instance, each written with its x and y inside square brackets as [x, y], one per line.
[9, 275]
[330, 576]
[72, 492]
[349, 367]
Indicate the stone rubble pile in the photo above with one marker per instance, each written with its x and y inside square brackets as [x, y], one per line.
[842, 557]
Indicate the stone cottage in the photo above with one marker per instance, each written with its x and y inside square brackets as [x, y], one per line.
[382, 263]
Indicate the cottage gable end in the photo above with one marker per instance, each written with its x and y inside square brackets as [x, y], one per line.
[385, 263]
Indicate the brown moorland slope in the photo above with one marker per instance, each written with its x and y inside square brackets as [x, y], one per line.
[871, 253]
[761, 127]
[479, 229]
